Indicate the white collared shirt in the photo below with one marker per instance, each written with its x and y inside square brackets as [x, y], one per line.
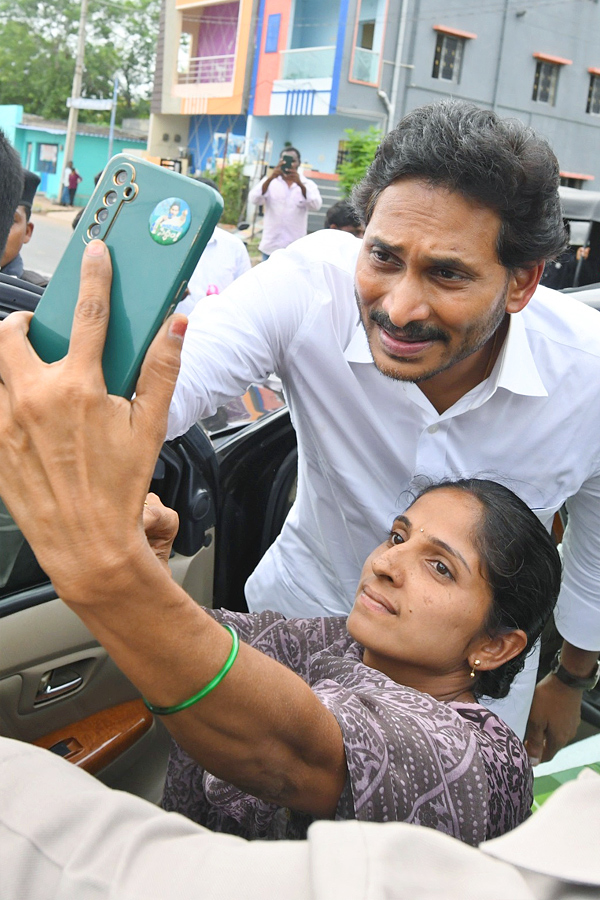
[224, 259]
[365, 439]
[286, 211]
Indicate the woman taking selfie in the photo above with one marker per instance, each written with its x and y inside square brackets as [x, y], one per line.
[374, 717]
[446, 611]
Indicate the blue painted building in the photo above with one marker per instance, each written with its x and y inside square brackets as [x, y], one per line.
[40, 144]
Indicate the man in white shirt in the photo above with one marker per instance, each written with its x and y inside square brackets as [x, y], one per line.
[461, 210]
[287, 197]
[224, 259]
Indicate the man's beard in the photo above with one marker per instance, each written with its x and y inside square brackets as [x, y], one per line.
[474, 338]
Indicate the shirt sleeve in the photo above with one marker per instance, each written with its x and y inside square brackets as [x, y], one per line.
[241, 336]
[409, 759]
[292, 642]
[577, 613]
[256, 195]
[313, 200]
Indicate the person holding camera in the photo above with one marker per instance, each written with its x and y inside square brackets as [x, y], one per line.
[287, 197]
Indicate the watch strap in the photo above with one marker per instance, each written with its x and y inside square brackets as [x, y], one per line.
[574, 681]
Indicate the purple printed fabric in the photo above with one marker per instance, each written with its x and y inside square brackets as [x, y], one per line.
[455, 767]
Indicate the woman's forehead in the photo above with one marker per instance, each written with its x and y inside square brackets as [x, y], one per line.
[453, 511]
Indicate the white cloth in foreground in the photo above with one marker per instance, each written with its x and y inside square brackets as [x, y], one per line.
[225, 258]
[65, 836]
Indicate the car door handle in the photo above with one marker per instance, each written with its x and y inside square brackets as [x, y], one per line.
[57, 683]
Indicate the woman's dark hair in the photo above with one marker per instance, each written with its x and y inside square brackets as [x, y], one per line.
[522, 567]
[500, 164]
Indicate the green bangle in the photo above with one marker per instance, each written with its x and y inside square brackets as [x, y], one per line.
[212, 684]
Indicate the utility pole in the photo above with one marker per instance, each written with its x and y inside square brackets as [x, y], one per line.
[75, 92]
[113, 113]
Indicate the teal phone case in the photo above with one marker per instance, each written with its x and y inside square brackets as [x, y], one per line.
[156, 223]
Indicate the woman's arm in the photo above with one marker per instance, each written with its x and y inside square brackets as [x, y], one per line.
[76, 464]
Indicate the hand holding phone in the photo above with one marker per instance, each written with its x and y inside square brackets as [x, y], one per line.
[287, 161]
[156, 223]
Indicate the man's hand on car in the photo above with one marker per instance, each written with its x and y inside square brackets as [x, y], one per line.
[554, 719]
[160, 525]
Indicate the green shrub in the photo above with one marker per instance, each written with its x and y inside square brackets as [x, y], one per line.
[234, 190]
[361, 147]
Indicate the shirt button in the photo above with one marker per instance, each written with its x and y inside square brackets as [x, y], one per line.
[433, 428]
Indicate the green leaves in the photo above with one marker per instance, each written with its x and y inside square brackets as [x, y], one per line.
[38, 42]
[360, 147]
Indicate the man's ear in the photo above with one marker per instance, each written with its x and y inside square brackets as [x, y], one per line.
[28, 232]
[521, 287]
[494, 652]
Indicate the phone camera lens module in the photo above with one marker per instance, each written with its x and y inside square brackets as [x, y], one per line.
[128, 193]
[121, 176]
[94, 230]
[102, 215]
[111, 198]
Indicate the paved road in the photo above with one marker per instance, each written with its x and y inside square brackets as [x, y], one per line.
[50, 237]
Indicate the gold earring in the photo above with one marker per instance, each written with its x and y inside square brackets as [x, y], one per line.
[476, 663]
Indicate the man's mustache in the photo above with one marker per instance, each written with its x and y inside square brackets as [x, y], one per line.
[412, 331]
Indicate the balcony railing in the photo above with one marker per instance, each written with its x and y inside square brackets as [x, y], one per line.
[308, 62]
[366, 65]
[208, 70]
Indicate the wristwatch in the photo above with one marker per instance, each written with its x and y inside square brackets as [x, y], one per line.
[574, 681]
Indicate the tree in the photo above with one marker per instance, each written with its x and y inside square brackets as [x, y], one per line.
[37, 54]
[360, 149]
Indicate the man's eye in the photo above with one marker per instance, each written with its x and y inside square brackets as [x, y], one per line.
[449, 274]
[380, 255]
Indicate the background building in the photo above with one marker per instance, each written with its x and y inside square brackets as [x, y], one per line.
[304, 70]
[40, 144]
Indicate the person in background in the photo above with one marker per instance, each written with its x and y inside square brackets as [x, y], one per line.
[64, 197]
[559, 273]
[342, 217]
[78, 216]
[20, 233]
[74, 179]
[225, 258]
[287, 197]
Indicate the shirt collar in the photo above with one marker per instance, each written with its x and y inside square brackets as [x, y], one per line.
[515, 368]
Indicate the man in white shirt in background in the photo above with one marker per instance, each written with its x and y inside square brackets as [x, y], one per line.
[454, 365]
[225, 258]
[287, 196]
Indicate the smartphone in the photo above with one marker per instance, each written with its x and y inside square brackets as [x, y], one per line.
[287, 162]
[156, 223]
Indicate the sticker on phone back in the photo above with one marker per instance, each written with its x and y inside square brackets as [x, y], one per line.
[169, 220]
